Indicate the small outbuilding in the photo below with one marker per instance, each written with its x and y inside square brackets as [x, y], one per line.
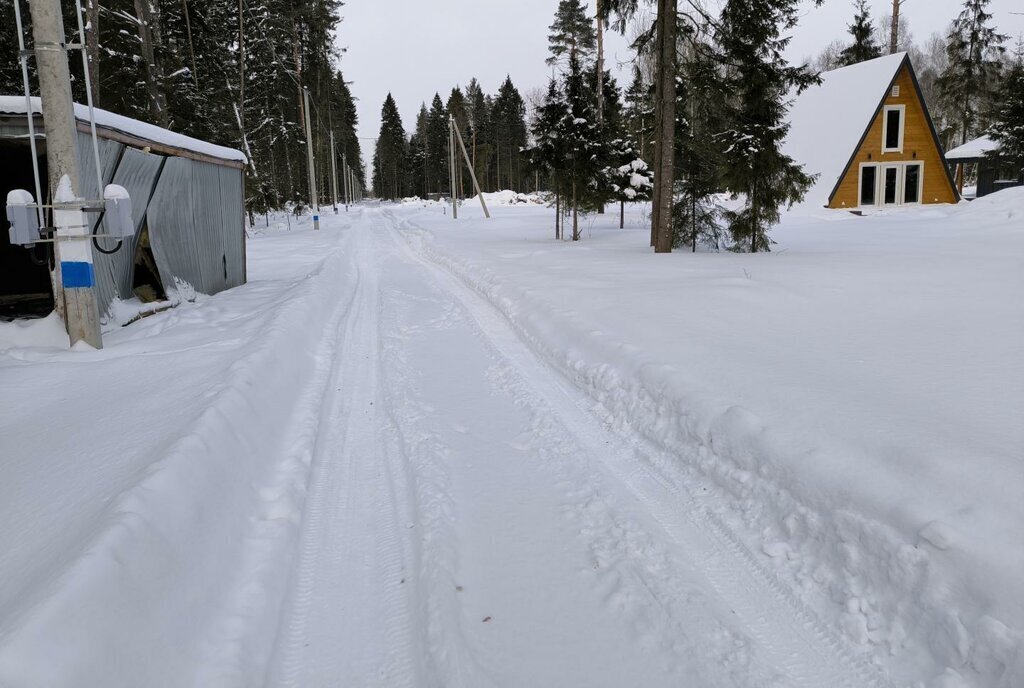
[867, 134]
[991, 174]
[187, 202]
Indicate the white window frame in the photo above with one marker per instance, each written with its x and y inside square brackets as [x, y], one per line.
[897, 196]
[902, 109]
[920, 182]
[860, 185]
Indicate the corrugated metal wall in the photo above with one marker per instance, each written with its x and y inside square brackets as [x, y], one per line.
[194, 210]
[195, 226]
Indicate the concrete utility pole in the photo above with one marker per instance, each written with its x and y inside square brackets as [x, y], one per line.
[75, 279]
[344, 179]
[472, 174]
[334, 176]
[314, 202]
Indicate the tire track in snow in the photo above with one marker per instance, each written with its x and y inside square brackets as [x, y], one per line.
[347, 621]
[788, 634]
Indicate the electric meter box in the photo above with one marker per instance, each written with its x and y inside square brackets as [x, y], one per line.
[24, 230]
[118, 212]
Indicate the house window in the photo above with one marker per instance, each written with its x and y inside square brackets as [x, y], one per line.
[912, 182]
[892, 129]
[868, 179]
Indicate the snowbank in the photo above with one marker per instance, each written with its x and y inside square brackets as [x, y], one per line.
[857, 394]
[506, 197]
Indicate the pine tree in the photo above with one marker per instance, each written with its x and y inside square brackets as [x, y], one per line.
[572, 33]
[1008, 117]
[974, 50]
[389, 160]
[864, 46]
[750, 35]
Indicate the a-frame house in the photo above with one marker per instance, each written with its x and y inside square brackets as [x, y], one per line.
[866, 132]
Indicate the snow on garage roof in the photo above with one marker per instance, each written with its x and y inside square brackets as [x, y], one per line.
[828, 121]
[15, 105]
[972, 150]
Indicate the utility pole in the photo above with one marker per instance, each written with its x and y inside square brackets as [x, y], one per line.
[334, 176]
[75, 279]
[472, 174]
[314, 202]
[451, 167]
[344, 179]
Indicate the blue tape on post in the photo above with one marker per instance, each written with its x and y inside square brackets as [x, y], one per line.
[316, 218]
[76, 275]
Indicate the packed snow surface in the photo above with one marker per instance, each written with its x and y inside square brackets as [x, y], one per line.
[413, 451]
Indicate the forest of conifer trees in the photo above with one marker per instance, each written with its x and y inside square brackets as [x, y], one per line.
[179, 64]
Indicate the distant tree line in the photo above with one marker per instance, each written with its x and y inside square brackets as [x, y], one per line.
[493, 128]
[227, 72]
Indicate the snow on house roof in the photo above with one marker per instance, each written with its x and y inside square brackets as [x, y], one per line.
[15, 105]
[828, 121]
[978, 148]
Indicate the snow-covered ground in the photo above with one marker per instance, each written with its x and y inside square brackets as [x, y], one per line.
[413, 451]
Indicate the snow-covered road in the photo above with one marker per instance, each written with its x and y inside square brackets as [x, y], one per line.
[353, 471]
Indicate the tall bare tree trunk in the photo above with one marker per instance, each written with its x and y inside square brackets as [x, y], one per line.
[575, 214]
[894, 29]
[666, 107]
[191, 46]
[150, 39]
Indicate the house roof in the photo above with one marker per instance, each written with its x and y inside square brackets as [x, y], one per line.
[972, 150]
[143, 132]
[828, 121]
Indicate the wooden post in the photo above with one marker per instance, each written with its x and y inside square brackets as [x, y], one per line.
[451, 167]
[472, 174]
[72, 246]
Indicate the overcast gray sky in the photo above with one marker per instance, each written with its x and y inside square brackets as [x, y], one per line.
[413, 48]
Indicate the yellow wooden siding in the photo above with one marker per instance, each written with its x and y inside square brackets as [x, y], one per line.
[917, 138]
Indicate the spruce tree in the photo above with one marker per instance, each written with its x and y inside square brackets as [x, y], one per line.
[699, 155]
[436, 148]
[1008, 116]
[389, 164]
[508, 121]
[974, 51]
[548, 154]
[638, 114]
[864, 46]
[751, 37]
[479, 117]
[583, 145]
[629, 177]
[572, 33]
[417, 168]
